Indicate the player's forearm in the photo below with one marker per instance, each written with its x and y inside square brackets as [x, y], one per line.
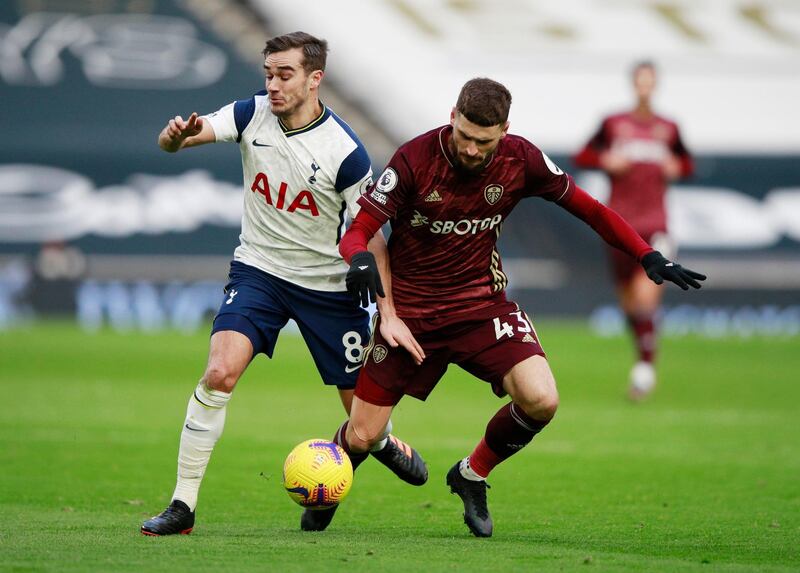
[614, 230]
[377, 246]
[359, 234]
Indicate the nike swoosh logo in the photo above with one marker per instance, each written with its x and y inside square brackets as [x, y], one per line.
[257, 144]
[350, 369]
[188, 427]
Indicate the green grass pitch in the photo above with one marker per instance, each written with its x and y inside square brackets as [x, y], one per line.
[704, 477]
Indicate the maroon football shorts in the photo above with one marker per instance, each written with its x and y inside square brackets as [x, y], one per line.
[624, 266]
[487, 344]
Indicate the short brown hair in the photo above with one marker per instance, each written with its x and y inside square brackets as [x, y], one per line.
[315, 50]
[484, 102]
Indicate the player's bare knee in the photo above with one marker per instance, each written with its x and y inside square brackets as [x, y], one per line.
[360, 437]
[355, 444]
[539, 404]
[548, 406]
[221, 378]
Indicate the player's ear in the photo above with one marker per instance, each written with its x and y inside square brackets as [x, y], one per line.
[316, 78]
[505, 129]
[453, 116]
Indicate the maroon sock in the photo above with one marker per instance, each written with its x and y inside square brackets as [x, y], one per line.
[355, 457]
[507, 433]
[644, 336]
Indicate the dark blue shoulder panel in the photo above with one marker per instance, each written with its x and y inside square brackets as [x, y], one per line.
[356, 165]
[243, 111]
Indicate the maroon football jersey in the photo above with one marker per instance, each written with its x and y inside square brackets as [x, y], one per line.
[445, 222]
[639, 195]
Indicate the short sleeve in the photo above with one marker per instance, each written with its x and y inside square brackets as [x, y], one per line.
[230, 121]
[223, 123]
[543, 178]
[351, 194]
[354, 177]
[383, 199]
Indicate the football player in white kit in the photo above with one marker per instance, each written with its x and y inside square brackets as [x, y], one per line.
[303, 169]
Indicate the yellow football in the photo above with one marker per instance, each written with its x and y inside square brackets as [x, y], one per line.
[317, 474]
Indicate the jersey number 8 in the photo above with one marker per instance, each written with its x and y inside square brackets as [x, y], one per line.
[353, 347]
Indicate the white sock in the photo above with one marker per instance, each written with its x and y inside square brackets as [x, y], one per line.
[380, 444]
[468, 472]
[643, 376]
[205, 418]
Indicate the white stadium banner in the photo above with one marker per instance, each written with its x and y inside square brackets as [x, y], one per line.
[730, 70]
[133, 51]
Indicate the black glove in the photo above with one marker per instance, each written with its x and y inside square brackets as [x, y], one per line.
[659, 268]
[363, 281]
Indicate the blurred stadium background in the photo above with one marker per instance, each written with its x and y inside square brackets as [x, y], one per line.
[96, 222]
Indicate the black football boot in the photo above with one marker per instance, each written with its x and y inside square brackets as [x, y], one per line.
[403, 460]
[473, 494]
[317, 519]
[175, 519]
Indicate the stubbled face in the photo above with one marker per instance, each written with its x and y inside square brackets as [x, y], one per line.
[644, 83]
[288, 85]
[472, 145]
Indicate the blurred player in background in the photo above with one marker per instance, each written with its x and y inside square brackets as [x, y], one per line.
[303, 168]
[447, 193]
[641, 152]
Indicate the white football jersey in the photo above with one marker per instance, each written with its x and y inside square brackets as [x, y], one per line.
[298, 185]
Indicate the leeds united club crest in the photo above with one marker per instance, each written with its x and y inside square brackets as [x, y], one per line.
[493, 193]
[379, 353]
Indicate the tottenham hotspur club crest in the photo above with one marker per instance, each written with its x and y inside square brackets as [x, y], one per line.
[492, 193]
[313, 178]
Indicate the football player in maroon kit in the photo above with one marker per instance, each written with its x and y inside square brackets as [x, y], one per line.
[447, 193]
[641, 152]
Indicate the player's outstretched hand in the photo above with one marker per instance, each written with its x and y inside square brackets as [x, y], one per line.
[395, 332]
[178, 129]
[363, 280]
[659, 269]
